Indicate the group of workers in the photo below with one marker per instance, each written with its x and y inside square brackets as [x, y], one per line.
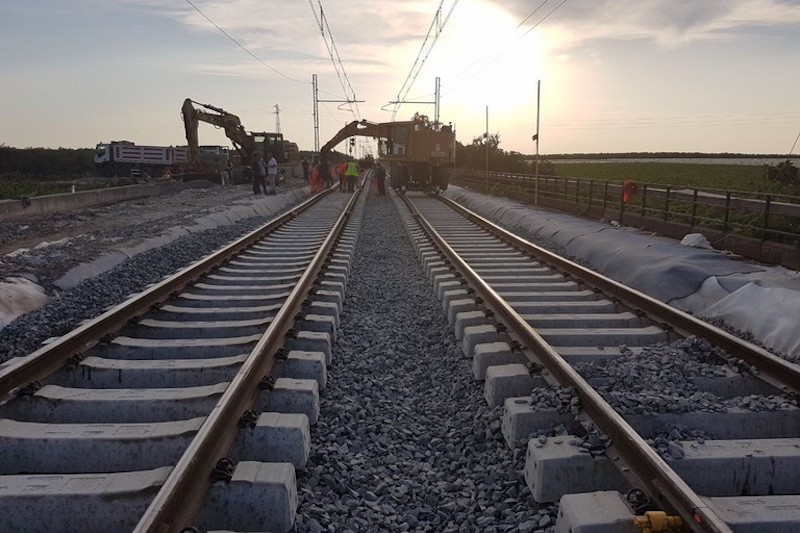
[322, 176]
[265, 170]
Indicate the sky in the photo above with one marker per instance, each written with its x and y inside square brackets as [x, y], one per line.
[616, 75]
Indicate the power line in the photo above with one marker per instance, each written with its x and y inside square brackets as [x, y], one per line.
[414, 72]
[795, 143]
[476, 66]
[273, 69]
[322, 23]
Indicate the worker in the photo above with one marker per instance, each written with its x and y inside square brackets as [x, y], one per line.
[340, 168]
[229, 171]
[305, 169]
[312, 178]
[380, 179]
[324, 175]
[272, 174]
[259, 170]
[352, 173]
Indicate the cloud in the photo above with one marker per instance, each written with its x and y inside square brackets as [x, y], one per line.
[362, 29]
[668, 23]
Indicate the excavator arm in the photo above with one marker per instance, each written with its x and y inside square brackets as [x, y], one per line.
[229, 122]
[361, 128]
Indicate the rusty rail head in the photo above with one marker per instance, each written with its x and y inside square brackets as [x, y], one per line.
[776, 371]
[661, 482]
[53, 356]
[181, 495]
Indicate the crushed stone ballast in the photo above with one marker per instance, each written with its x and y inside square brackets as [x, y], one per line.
[111, 421]
[708, 417]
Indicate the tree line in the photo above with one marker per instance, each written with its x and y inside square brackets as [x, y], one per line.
[473, 157]
[41, 162]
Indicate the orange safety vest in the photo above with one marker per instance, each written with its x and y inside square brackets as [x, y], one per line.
[628, 190]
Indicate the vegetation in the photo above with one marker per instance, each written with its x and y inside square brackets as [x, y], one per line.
[45, 162]
[473, 157]
[27, 172]
[724, 177]
[705, 176]
[662, 155]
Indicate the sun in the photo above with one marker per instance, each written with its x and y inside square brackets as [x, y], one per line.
[484, 60]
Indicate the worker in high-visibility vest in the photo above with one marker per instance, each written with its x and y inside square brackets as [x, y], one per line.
[352, 173]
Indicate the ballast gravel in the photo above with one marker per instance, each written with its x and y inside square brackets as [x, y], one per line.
[91, 297]
[405, 441]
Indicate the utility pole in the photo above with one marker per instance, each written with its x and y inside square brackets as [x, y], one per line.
[536, 138]
[315, 85]
[315, 111]
[436, 102]
[486, 141]
[437, 99]
[277, 114]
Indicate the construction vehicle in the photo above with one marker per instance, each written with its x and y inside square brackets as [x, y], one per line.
[124, 158]
[417, 153]
[245, 142]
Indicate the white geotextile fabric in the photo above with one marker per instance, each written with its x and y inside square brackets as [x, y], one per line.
[751, 297]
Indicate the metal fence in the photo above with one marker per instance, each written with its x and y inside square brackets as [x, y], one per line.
[765, 227]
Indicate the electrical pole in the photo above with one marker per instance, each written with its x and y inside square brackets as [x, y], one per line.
[437, 99]
[316, 109]
[486, 140]
[536, 138]
[436, 102]
[277, 114]
[315, 112]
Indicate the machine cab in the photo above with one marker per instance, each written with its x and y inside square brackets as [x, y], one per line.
[269, 142]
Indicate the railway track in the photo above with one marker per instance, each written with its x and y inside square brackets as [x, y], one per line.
[625, 406]
[212, 374]
[191, 404]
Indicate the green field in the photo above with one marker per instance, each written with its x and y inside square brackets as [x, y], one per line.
[704, 176]
[12, 187]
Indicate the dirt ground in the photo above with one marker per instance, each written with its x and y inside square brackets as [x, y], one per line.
[43, 248]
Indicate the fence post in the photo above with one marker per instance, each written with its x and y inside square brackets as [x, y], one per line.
[644, 200]
[591, 193]
[727, 212]
[765, 225]
[666, 205]
[694, 210]
[577, 190]
[621, 209]
[605, 194]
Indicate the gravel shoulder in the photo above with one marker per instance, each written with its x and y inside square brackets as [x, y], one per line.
[43, 249]
[112, 227]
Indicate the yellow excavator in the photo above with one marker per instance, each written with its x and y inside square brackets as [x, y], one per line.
[417, 153]
[245, 142]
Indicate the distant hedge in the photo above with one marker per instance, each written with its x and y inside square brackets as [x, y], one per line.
[42, 162]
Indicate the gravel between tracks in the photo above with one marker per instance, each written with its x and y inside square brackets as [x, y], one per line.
[405, 441]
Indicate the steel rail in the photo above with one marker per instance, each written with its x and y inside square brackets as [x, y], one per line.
[177, 502]
[776, 371]
[53, 356]
[660, 481]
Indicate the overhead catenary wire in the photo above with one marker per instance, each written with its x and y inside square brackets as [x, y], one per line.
[322, 24]
[240, 45]
[795, 143]
[416, 67]
[476, 67]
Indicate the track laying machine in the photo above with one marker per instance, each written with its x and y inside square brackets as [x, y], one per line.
[418, 154]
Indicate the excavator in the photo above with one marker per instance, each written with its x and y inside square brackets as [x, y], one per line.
[245, 142]
[417, 153]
